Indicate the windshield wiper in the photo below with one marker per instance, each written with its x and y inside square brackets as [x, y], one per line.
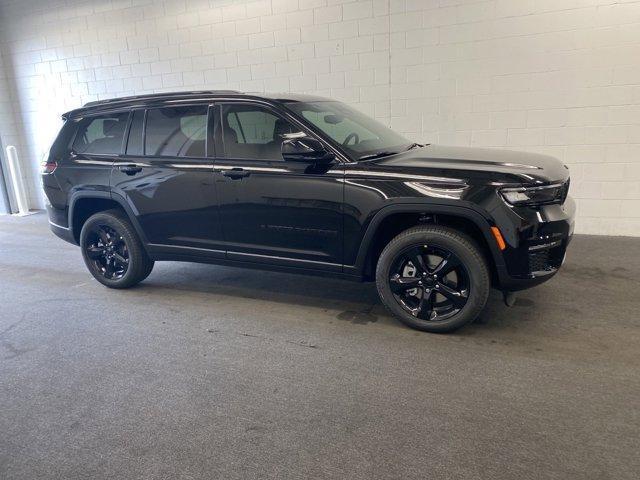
[414, 145]
[387, 153]
[376, 155]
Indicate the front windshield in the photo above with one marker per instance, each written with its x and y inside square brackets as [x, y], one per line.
[359, 135]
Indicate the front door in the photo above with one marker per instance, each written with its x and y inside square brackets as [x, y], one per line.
[166, 178]
[272, 211]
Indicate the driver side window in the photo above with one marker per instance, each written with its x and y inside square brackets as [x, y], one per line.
[253, 132]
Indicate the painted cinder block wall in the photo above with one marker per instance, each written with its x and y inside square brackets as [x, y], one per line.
[560, 77]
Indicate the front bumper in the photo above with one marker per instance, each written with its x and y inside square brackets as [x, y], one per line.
[537, 241]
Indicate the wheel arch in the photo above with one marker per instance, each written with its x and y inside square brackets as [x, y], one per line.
[391, 220]
[84, 204]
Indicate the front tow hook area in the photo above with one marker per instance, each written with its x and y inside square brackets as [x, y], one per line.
[509, 298]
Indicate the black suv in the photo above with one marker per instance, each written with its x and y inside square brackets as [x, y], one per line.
[303, 184]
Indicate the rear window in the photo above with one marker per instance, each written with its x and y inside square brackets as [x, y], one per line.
[176, 131]
[101, 134]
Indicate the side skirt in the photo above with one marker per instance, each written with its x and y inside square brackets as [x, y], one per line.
[177, 257]
[243, 260]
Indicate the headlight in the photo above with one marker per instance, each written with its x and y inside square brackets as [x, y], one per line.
[536, 195]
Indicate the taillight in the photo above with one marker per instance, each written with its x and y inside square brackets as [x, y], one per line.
[48, 166]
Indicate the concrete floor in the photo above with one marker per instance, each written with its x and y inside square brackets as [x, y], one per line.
[211, 372]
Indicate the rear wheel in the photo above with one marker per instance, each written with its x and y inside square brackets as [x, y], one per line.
[433, 278]
[113, 251]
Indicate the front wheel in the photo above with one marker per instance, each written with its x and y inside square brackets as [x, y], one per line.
[112, 250]
[433, 278]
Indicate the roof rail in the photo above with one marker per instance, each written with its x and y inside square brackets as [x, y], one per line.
[160, 96]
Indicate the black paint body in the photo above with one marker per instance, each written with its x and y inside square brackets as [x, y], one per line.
[292, 216]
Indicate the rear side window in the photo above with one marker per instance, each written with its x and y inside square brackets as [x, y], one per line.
[176, 131]
[101, 134]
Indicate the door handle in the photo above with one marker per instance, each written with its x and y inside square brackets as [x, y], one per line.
[236, 173]
[130, 169]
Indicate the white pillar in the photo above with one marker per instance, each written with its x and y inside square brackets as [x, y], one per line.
[16, 180]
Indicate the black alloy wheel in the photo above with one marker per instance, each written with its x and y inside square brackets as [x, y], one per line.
[112, 250]
[108, 251]
[429, 282]
[433, 278]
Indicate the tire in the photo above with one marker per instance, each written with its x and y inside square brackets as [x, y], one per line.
[404, 294]
[106, 240]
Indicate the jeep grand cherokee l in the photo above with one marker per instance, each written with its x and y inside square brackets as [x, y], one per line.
[303, 184]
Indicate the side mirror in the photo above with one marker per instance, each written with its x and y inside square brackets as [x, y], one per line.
[305, 149]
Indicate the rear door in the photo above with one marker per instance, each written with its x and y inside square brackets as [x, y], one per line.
[166, 178]
[97, 142]
[274, 211]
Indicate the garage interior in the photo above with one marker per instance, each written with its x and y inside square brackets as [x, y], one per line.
[214, 372]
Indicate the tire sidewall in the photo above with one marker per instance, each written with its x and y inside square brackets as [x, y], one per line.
[121, 229]
[472, 262]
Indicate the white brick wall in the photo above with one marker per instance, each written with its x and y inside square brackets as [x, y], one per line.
[555, 76]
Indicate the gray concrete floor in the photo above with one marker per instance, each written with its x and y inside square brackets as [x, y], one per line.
[211, 372]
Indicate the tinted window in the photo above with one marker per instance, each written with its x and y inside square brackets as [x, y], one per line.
[358, 134]
[101, 135]
[176, 131]
[339, 128]
[134, 144]
[253, 132]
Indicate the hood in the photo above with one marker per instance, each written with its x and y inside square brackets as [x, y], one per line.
[480, 164]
